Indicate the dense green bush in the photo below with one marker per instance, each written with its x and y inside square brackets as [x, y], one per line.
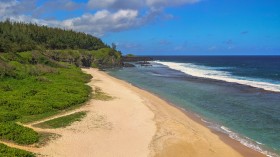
[49, 92]
[6, 151]
[17, 133]
[106, 57]
[6, 117]
[34, 88]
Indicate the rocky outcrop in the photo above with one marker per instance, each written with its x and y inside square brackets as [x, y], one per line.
[128, 65]
[136, 59]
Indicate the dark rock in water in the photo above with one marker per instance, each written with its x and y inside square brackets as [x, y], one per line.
[128, 65]
[144, 63]
[136, 59]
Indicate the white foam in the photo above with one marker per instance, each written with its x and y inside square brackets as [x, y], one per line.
[207, 72]
[247, 142]
[226, 129]
[205, 121]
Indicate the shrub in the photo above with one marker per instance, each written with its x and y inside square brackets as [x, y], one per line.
[6, 117]
[6, 151]
[17, 133]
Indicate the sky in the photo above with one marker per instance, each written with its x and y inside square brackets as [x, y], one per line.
[162, 27]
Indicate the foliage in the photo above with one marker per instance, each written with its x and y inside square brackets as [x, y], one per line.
[17, 133]
[39, 75]
[75, 48]
[33, 88]
[6, 151]
[18, 37]
[104, 57]
[34, 91]
[62, 121]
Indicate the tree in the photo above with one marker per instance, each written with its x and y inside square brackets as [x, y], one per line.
[114, 46]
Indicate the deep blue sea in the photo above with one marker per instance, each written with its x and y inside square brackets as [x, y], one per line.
[237, 95]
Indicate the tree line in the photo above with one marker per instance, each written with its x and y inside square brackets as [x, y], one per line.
[19, 37]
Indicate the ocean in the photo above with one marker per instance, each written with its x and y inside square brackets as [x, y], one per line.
[236, 95]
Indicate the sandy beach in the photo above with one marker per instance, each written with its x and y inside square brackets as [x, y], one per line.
[136, 123]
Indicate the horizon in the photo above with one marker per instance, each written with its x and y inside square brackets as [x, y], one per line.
[232, 55]
[149, 27]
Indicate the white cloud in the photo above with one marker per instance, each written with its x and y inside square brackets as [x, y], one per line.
[9, 8]
[97, 24]
[168, 3]
[100, 3]
[115, 4]
[103, 21]
[108, 16]
[28, 19]
[133, 4]
[5, 7]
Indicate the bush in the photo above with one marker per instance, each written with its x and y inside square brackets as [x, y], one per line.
[17, 133]
[6, 151]
[46, 93]
[5, 69]
[6, 117]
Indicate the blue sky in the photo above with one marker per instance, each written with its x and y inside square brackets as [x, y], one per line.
[163, 27]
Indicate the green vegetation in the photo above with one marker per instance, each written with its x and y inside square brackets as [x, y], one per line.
[29, 91]
[101, 58]
[40, 76]
[17, 133]
[33, 91]
[6, 151]
[18, 37]
[62, 121]
[57, 44]
[98, 94]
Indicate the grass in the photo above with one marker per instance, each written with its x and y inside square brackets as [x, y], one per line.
[98, 94]
[62, 122]
[6, 151]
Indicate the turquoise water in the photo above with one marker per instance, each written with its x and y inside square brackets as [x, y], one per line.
[249, 115]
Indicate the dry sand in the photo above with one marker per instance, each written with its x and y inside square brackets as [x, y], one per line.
[137, 123]
[116, 128]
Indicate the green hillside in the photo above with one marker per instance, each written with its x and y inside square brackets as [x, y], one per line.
[40, 76]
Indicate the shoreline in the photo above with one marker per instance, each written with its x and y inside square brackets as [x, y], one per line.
[265, 86]
[139, 123]
[236, 145]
